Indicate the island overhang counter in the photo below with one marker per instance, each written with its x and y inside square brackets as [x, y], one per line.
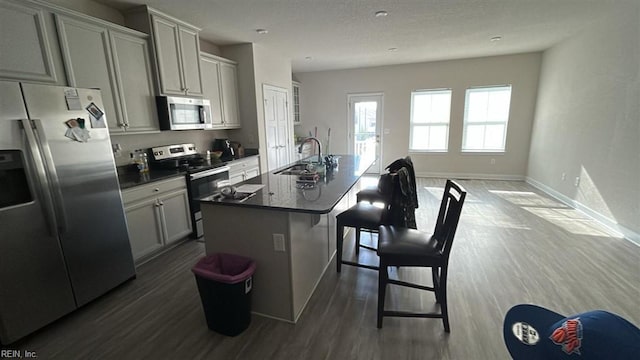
[289, 232]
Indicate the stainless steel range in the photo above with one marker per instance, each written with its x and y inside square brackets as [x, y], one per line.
[204, 178]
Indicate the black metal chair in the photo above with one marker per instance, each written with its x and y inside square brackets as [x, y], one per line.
[404, 247]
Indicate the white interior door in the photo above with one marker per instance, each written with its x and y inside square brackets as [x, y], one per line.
[277, 126]
[364, 128]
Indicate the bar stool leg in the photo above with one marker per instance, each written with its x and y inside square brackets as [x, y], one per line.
[339, 245]
[383, 277]
[357, 241]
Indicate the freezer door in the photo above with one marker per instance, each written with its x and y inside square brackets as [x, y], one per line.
[34, 284]
[85, 190]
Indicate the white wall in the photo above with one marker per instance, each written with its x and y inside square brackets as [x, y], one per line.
[202, 138]
[587, 121]
[92, 8]
[243, 55]
[257, 65]
[324, 104]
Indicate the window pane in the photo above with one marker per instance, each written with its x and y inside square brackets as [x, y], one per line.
[431, 107]
[420, 138]
[477, 103]
[438, 137]
[474, 138]
[440, 107]
[421, 108]
[494, 137]
[498, 105]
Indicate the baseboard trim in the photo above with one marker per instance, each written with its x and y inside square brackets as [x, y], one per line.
[470, 176]
[615, 228]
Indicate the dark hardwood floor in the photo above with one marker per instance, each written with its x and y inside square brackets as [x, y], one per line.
[514, 245]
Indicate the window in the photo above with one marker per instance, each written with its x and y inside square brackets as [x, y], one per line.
[430, 112]
[486, 113]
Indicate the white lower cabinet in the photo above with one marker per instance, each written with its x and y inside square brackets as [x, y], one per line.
[244, 169]
[157, 215]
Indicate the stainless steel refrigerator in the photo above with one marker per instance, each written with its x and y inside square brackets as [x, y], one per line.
[63, 233]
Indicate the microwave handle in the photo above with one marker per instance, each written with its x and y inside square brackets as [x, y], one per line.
[203, 115]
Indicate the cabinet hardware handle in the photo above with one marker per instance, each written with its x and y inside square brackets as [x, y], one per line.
[161, 203]
[156, 189]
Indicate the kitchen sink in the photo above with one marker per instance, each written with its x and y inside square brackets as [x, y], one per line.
[297, 169]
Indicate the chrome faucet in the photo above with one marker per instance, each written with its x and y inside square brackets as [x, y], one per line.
[319, 148]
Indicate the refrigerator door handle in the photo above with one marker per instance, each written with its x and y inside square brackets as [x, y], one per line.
[54, 181]
[41, 174]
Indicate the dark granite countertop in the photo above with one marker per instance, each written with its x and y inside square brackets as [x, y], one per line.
[129, 177]
[281, 193]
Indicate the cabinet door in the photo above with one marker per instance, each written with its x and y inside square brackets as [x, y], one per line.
[135, 82]
[296, 103]
[87, 59]
[211, 87]
[251, 173]
[166, 40]
[25, 53]
[190, 52]
[176, 215]
[228, 74]
[145, 233]
[236, 177]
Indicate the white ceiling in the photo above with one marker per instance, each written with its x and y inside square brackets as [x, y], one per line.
[339, 34]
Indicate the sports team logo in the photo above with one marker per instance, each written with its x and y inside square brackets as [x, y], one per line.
[569, 336]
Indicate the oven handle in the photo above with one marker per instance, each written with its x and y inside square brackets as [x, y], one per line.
[201, 174]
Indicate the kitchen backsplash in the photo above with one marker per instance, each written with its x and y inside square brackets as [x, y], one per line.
[128, 143]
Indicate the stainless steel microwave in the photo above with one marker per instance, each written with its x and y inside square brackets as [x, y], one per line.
[181, 113]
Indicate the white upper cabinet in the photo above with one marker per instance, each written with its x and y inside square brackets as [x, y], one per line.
[220, 86]
[190, 52]
[211, 86]
[229, 78]
[176, 47]
[87, 59]
[296, 102]
[25, 53]
[168, 56]
[132, 64]
[116, 62]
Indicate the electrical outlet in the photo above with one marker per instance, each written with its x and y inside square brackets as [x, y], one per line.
[278, 242]
[493, 161]
[564, 176]
[577, 182]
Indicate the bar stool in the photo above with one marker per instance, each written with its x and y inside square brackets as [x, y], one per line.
[364, 216]
[403, 247]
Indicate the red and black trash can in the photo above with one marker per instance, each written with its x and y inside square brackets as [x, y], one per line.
[225, 282]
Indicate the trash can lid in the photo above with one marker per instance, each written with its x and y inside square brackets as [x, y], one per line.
[225, 268]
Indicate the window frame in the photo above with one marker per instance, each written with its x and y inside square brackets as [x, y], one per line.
[413, 125]
[505, 122]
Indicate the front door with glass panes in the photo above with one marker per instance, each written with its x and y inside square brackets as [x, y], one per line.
[364, 128]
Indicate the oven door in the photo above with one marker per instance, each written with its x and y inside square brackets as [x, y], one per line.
[203, 184]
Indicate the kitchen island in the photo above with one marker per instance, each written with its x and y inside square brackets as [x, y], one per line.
[289, 231]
